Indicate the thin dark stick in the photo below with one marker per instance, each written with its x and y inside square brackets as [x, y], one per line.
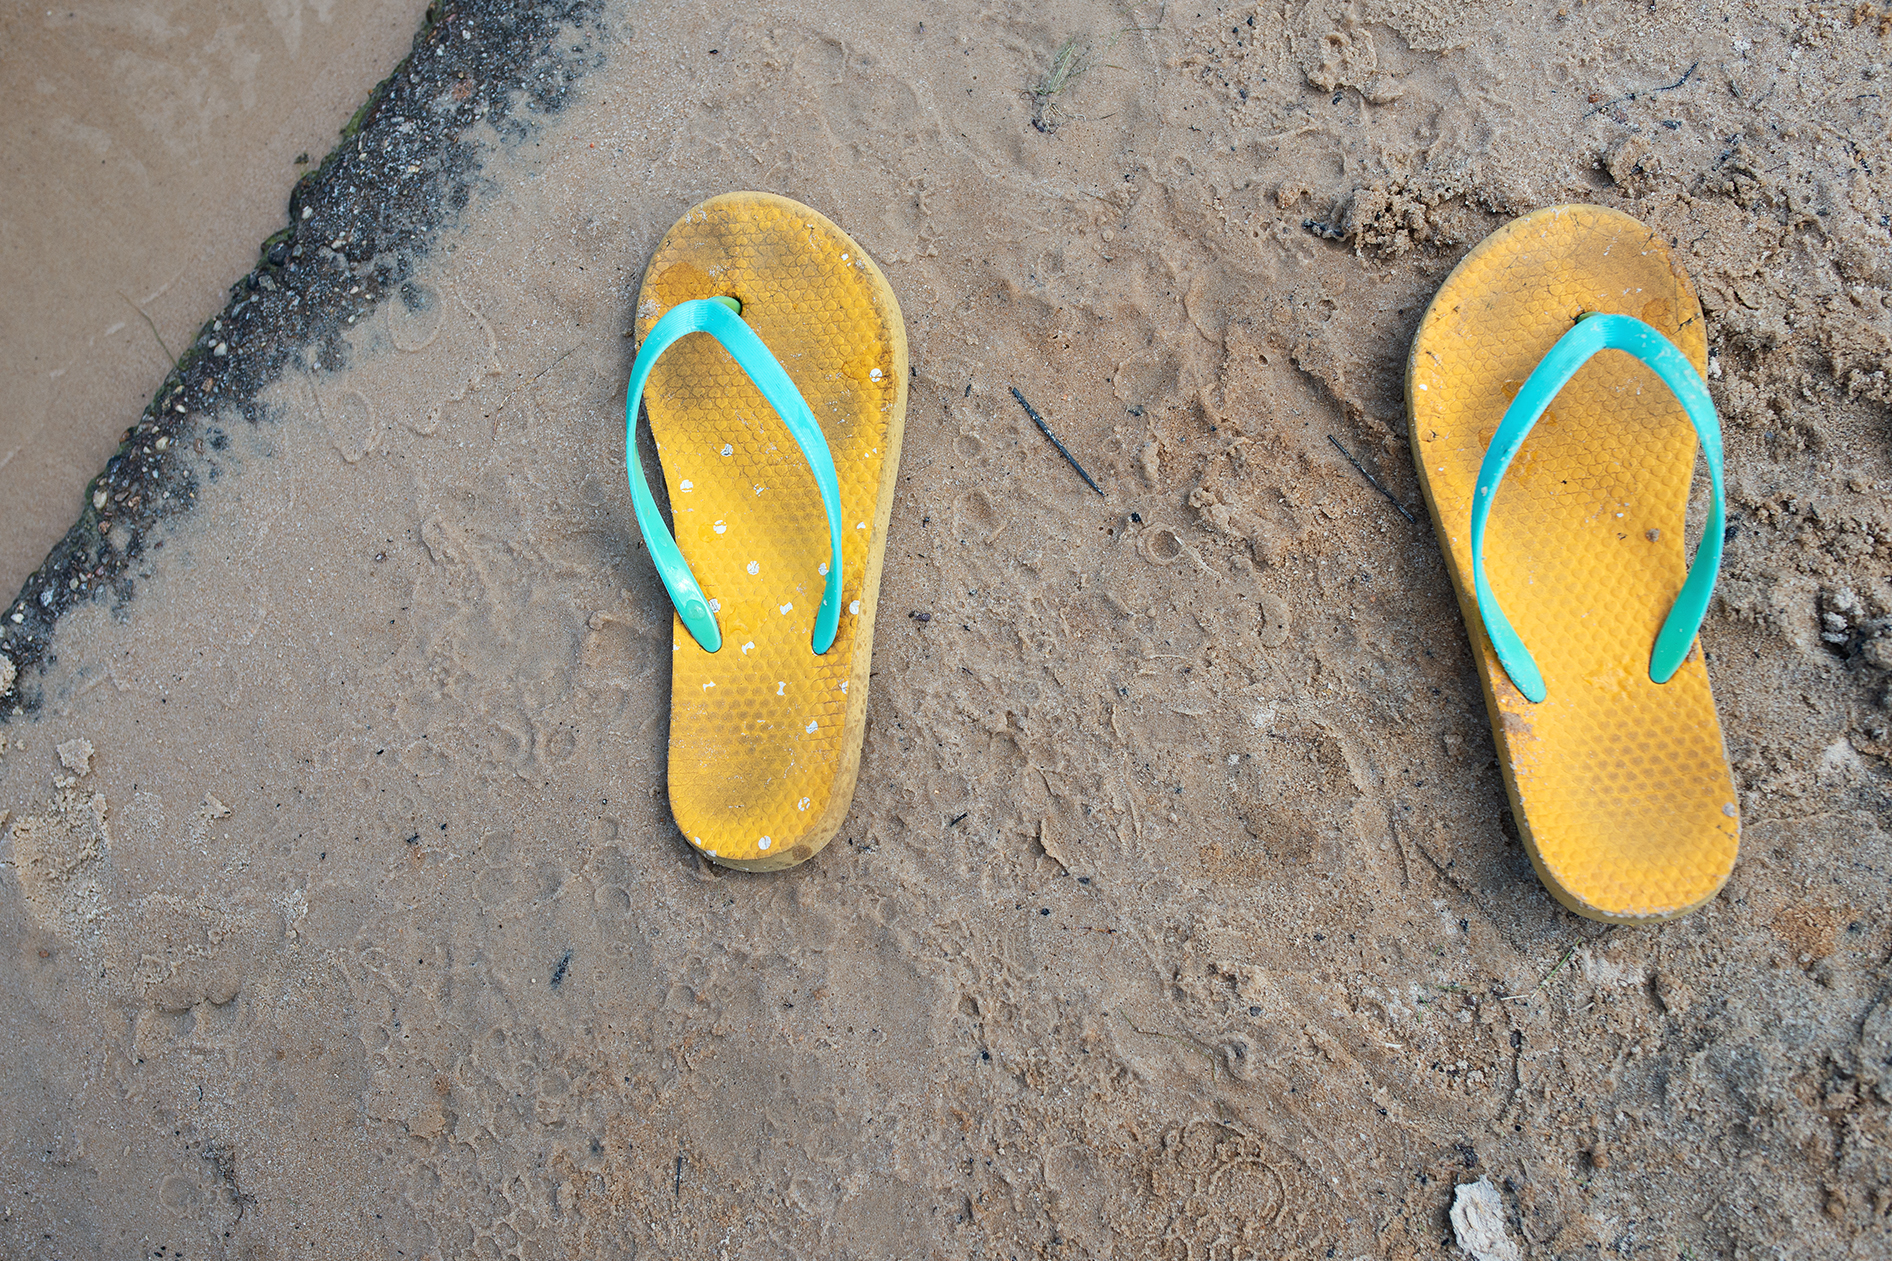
[678, 1193]
[1371, 481]
[1045, 429]
[1686, 74]
[154, 331]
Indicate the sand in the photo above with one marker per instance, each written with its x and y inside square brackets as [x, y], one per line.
[1179, 912]
[149, 148]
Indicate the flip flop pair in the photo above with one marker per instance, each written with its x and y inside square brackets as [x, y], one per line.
[779, 434]
[1556, 401]
[1556, 397]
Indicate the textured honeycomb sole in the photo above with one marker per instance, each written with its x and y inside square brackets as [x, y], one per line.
[765, 737]
[1620, 786]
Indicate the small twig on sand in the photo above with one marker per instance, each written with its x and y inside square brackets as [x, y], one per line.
[534, 381]
[1045, 429]
[1518, 998]
[154, 332]
[1129, 796]
[1371, 480]
[1603, 105]
[1559, 965]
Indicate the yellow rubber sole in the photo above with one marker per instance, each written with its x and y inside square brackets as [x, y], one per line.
[1620, 786]
[765, 737]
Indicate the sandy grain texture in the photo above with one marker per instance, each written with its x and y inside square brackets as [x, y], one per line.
[1178, 913]
[147, 151]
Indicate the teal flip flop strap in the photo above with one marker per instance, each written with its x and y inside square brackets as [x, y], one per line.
[1595, 332]
[718, 318]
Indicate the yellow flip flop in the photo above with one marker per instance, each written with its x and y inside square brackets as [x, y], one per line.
[1567, 549]
[779, 434]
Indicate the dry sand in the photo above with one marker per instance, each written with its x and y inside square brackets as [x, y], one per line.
[1178, 913]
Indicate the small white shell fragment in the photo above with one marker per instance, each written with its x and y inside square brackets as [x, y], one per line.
[1478, 1220]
